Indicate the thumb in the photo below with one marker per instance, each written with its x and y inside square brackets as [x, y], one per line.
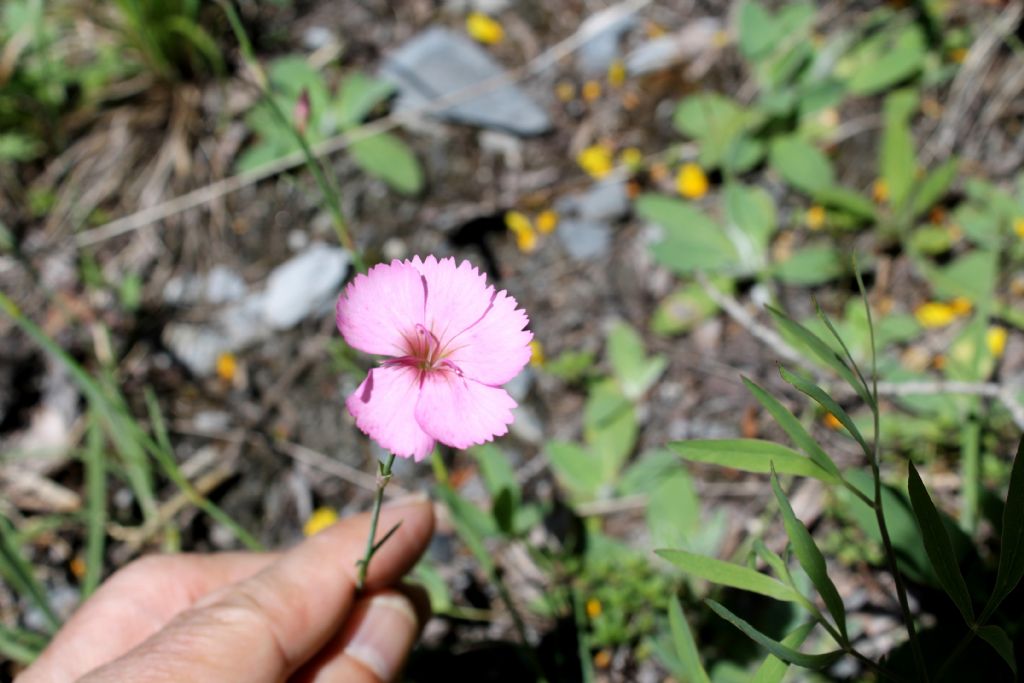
[264, 628]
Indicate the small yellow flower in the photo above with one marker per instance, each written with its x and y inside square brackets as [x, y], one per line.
[536, 354]
[77, 566]
[961, 305]
[484, 29]
[616, 73]
[957, 55]
[880, 191]
[319, 520]
[721, 39]
[565, 91]
[596, 160]
[935, 314]
[227, 366]
[522, 228]
[939, 362]
[547, 221]
[691, 181]
[995, 338]
[631, 157]
[831, 421]
[815, 217]
[594, 608]
[603, 659]
[591, 91]
[1018, 227]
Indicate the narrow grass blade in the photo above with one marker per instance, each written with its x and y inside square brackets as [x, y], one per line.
[783, 652]
[1011, 545]
[96, 508]
[751, 455]
[810, 558]
[818, 394]
[1001, 643]
[17, 571]
[20, 646]
[796, 432]
[772, 669]
[685, 645]
[729, 574]
[938, 546]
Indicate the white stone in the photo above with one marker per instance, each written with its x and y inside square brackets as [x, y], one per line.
[304, 284]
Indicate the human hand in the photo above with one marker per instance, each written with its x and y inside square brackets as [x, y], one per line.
[252, 617]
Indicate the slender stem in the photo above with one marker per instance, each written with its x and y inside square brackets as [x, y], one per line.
[371, 547]
[873, 457]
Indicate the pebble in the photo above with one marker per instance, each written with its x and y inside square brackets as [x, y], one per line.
[604, 201]
[583, 239]
[696, 40]
[602, 37]
[438, 63]
[526, 425]
[304, 284]
[219, 286]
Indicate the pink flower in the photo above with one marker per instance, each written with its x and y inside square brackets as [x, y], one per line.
[452, 340]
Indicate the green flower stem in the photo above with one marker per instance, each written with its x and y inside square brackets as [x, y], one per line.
[383, 477]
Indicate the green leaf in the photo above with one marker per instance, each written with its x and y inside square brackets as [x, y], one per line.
[685, 645]
[772, 669]
[19, 147]
[896, 61]
[386, 157]
[846, 200]
[796, 432]
[577, 469]
[752, 221]
[810, 558]
[719, 125]
[17, 572]
[609, 427]
[729, 574]
[897, 159]
[934, 187]
[635, 372]
[673, 509]
[808, 266]
[751, 455]
[691, 240]
[1011, 542]
[812, 390]
[357, 96]
[972, 275]
[801, 164]
[758, 34]
[825, 353]
[570, 365]
[685, 307]
[1001, 643]
[938, 546]
[783, 652]
[496, 470]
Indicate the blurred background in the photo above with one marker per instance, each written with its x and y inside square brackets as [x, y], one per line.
[182, 185]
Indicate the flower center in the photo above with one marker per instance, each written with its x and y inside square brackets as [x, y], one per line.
[425, 353]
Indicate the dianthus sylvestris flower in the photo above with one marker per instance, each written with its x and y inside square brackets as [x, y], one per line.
[451, 339]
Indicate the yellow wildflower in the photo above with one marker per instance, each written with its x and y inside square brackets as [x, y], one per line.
[1018, 227]
[880, 191]
[691, 181]
[603, 659]
[616, 73]
[815, 217]
[547, 221]
[591, 91]
[957, 55]
[227, 366]
[995, 338]
[318, 521]
[935, 314]
[631, 157]
[831, 421]
[536, 354]
[522, 228]
[484, 29]
[939, 362]
[961, 305]
[565, 91]
[594, 608]
[77, 566]
[596, 160]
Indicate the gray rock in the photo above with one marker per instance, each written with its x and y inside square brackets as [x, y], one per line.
[520, 385]
[602, 36]
[604, 201]
[235, 327]
[694, 41]
[219, 286]
[303, 285]
[527, 426]
[438, 63]
[584, 239]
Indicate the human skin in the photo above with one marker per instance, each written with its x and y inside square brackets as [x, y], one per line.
[259, 617]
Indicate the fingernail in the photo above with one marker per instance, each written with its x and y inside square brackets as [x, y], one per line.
[418, 497]
[384, 635]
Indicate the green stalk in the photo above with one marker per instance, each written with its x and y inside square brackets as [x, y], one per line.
[96, 508]
[372, 546]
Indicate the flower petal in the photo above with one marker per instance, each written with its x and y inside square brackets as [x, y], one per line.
[384, 407]
[377, 311]
[457, 296]
[496, 349]
[461, 412]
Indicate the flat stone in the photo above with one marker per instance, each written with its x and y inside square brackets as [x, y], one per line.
[692, 42]
[304, 284]
[602, 37]
[438, 63]
[607, 200]
[585, 240]
[219, 286]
